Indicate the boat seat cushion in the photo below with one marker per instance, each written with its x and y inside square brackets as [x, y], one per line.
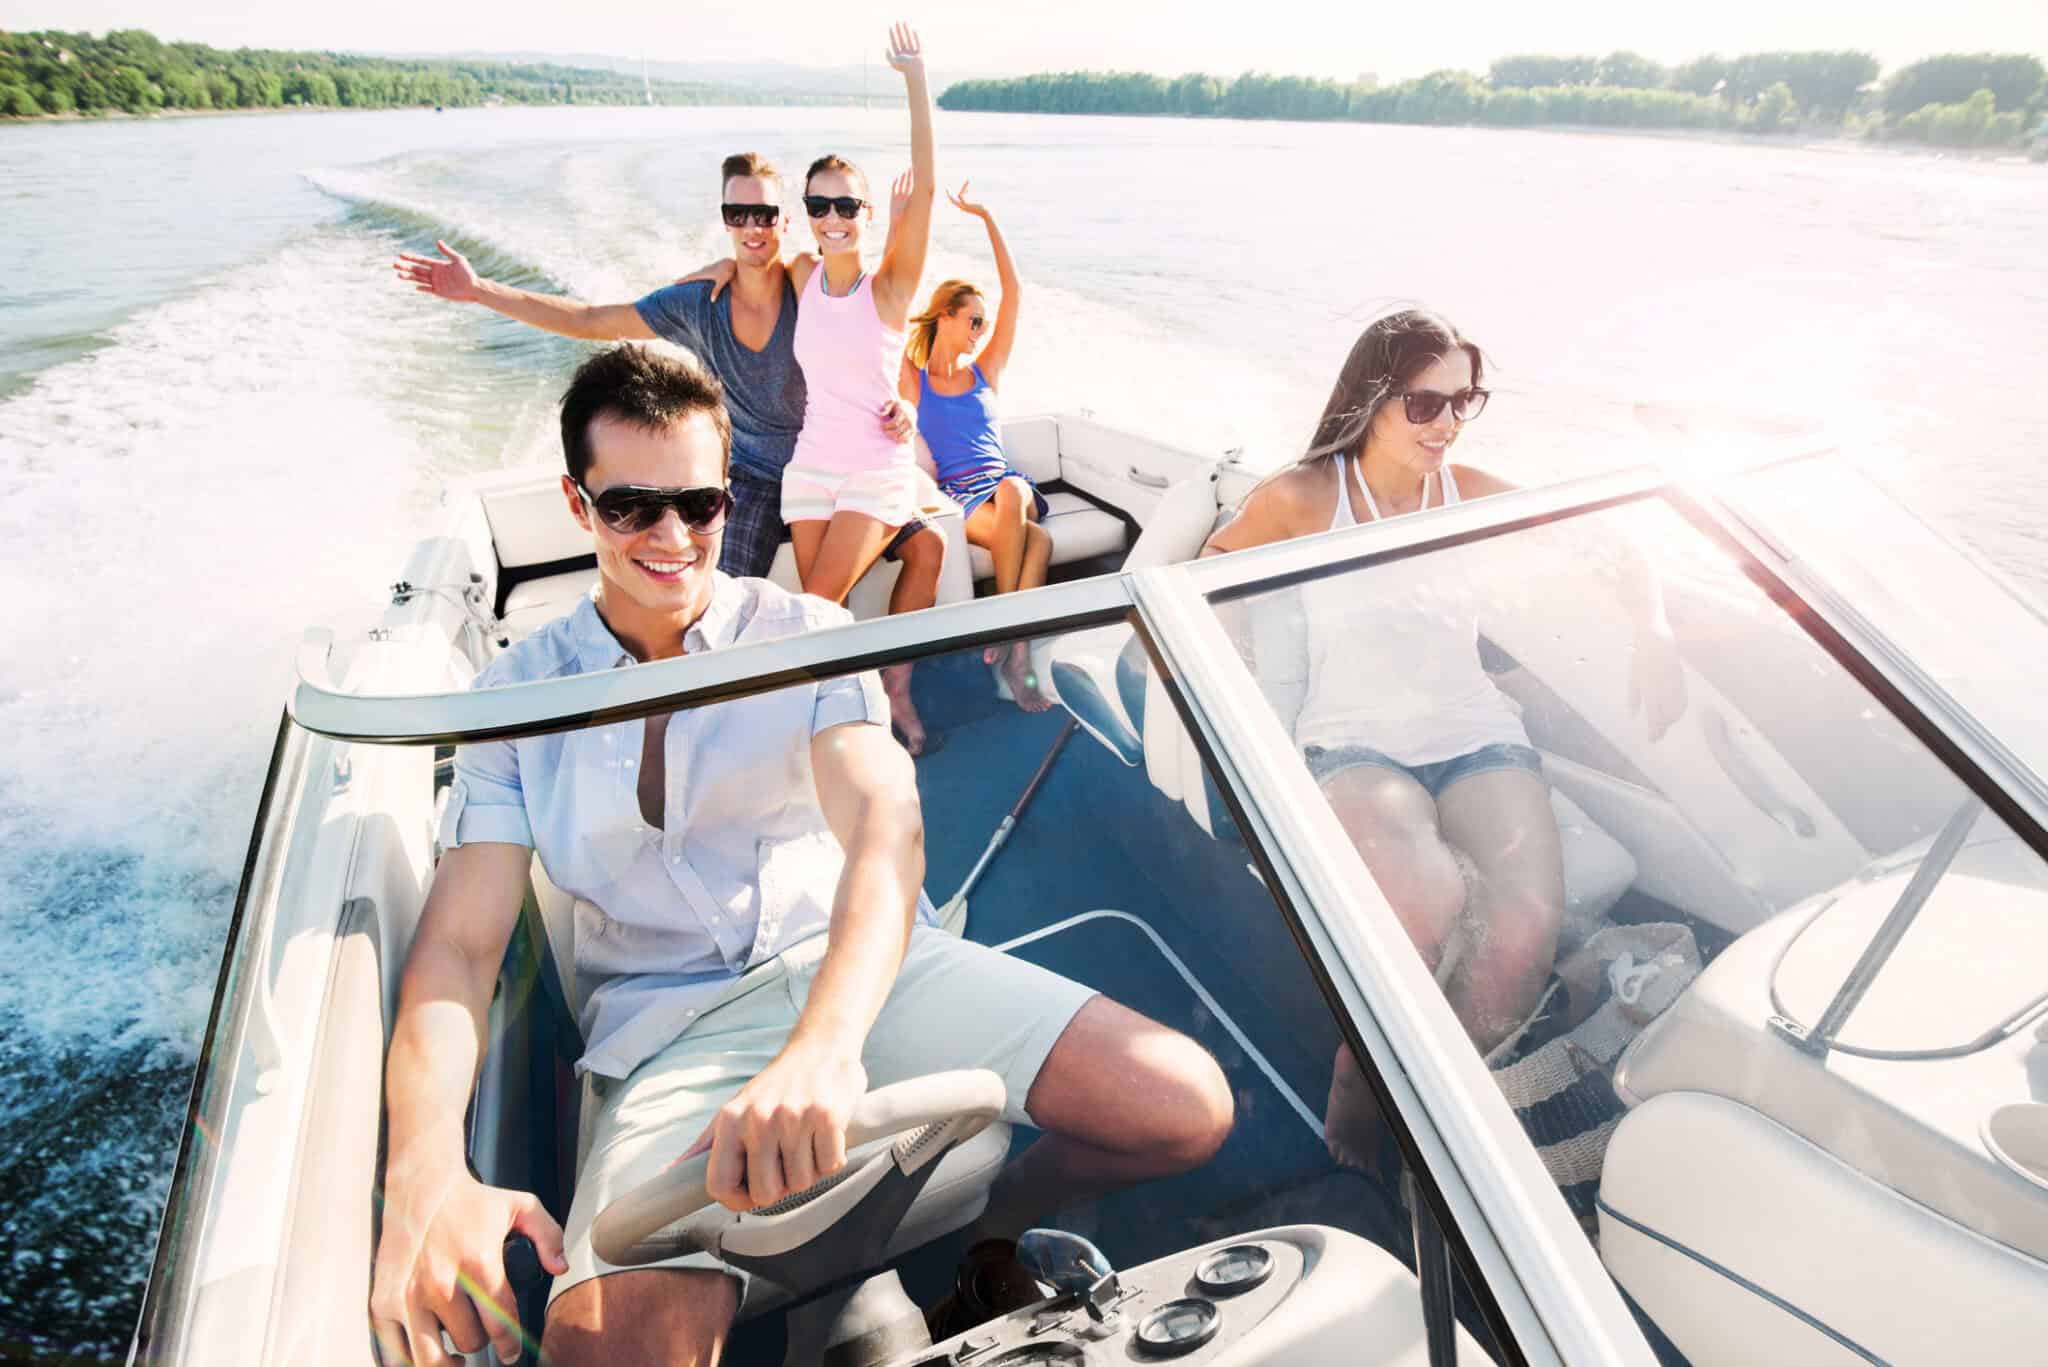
[1080, 531]
[536, 602]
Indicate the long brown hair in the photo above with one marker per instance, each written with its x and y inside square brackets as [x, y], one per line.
[1387, 356]
[924, 327]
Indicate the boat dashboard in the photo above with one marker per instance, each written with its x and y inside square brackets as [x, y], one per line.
[1305, 1295]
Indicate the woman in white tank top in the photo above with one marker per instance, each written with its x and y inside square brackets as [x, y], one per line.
[1423, 760]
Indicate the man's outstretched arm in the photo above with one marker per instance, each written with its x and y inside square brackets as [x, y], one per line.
[453, 279]
[786, 1129]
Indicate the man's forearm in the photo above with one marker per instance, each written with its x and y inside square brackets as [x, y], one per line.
[872, 913]
[435, 1049]
[553, 312]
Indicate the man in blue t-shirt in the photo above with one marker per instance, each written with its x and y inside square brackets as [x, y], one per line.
[745, 337]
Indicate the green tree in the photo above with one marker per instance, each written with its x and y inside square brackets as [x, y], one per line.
[132, 91]
[19, 102]
[1775, 110]
[1700, 76]
[1528, 71]
[2013, 80]
[1629, 71]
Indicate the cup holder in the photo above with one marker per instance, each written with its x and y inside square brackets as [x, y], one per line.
[2017, 1135]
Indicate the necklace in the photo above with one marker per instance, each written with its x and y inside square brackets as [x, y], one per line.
[825, 284]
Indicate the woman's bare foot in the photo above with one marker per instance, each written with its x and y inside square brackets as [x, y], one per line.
[1023, 687]
[1351, 1121]
[902, 711]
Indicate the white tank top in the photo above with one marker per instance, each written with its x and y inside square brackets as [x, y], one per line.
[1393, 659]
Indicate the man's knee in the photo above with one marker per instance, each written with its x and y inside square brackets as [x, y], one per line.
[664, 1315]
[1207, 1112]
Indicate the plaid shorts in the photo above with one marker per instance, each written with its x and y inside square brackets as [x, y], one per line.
[755, 529]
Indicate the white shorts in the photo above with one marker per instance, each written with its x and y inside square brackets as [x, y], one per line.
[889, 495]
[955, 1004]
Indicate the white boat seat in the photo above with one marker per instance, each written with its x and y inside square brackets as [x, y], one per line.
[1079, 668]
[536, 602]
[954, 1198]
[1079, 530]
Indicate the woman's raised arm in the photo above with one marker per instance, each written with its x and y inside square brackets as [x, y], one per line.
[996, 354]
[903, 265]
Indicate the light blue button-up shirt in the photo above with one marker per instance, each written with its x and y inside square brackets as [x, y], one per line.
[744, 864]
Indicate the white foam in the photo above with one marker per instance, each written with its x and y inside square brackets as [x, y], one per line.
[238, 463]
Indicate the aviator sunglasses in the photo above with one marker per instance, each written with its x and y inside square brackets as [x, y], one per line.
[759, 215]
[1422, 405]
[629, 509]
[846, 206]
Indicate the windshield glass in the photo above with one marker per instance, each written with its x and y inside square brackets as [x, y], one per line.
[1646, 833]
[1956, 620]
[1094, 935]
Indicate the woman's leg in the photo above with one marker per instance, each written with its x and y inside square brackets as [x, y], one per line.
[917, 586]
[1037, 558]
[805, 536]
[1393, 823]
[851, 543]
[1011, 502]
[1501, 819]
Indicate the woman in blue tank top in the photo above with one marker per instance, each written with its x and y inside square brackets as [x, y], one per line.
[960, 432]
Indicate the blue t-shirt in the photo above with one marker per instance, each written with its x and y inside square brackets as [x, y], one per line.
[764, 390]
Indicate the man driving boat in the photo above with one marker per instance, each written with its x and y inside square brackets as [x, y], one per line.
[762, 950]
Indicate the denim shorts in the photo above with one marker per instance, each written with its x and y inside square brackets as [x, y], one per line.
[1433, 777]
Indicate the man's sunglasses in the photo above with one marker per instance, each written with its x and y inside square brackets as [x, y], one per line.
[846, 206]
[1422, 405]
[629, 509]
[739, 215]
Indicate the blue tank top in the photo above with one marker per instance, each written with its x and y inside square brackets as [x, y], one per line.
[962, 430]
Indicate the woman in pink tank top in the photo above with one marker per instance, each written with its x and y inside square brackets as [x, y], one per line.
[849, 487]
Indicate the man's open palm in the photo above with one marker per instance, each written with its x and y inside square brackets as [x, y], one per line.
[450, 279]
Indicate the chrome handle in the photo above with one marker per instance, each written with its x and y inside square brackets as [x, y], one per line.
[1149, 480]
[1743, 772]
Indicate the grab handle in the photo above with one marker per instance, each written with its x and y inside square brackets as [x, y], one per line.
[1743, 772]
[1148, 479]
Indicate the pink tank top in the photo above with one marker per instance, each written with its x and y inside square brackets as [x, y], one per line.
[850, 362]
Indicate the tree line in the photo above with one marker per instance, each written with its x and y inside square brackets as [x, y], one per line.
[133, 72]
[1977, 99]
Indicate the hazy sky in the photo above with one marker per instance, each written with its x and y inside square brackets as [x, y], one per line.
[1309, 37]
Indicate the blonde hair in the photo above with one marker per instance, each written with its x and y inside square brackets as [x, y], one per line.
[924, 327]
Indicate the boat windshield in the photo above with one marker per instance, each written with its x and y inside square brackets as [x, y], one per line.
[1059, 867]
[1663, 837]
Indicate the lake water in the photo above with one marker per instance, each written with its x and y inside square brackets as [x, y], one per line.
[221, 420]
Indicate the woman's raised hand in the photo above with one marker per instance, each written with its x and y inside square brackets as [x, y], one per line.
[899, 195]
[966, 205]
[449, 279]
[906, 53]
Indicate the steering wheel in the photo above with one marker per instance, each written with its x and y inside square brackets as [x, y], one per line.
[673, 1213]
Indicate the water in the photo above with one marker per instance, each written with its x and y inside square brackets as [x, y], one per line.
[221, 420]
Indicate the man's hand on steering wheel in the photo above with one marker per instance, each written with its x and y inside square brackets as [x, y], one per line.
[785, 1130]
[441, 1264]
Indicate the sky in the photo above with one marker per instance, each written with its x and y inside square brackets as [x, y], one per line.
[1299, 37]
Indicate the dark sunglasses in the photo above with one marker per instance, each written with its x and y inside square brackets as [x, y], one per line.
[974, 323]
[760, 215]
[845, 205]
[1422, 405]
[629, 509]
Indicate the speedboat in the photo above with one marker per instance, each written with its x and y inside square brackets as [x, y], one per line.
[1786, 1099]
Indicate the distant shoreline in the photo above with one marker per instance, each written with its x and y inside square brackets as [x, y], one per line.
[122, 116]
